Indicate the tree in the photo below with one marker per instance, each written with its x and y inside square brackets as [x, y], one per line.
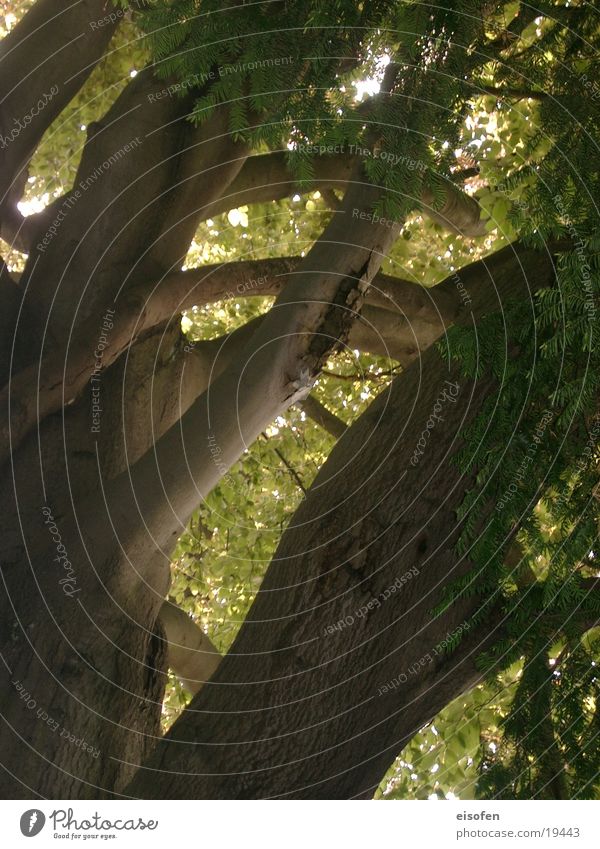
[445, 543]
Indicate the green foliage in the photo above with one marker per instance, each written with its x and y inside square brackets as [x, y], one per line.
[282, 59]
[288, 75]
[532, 728]
[534, 448]
[538, 172]
[57, 157]
[550, 742]
[443, 760]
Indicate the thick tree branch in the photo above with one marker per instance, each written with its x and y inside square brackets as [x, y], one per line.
[276, 369]
[143, 178]
[321, 416]
[66, 373]
[267, 177]
[344, 661]
[139, 310]
[400, 320]
[191, 654]
[60, 47]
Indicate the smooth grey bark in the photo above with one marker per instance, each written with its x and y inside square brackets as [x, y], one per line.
[267, 177]
[316, 411]
[62, 46]
[140, 605]
[191, 654]
[137, 222]
[80, 630]
[277, 368]
[305, 705]
[400, 319]
[94, 661]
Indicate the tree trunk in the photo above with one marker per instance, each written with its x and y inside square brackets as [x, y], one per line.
[93, 661]
[90, 507]
[336, 665]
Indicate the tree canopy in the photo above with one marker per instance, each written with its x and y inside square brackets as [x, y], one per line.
[300, 347]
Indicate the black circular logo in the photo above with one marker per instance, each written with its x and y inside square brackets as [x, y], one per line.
[32, 822]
